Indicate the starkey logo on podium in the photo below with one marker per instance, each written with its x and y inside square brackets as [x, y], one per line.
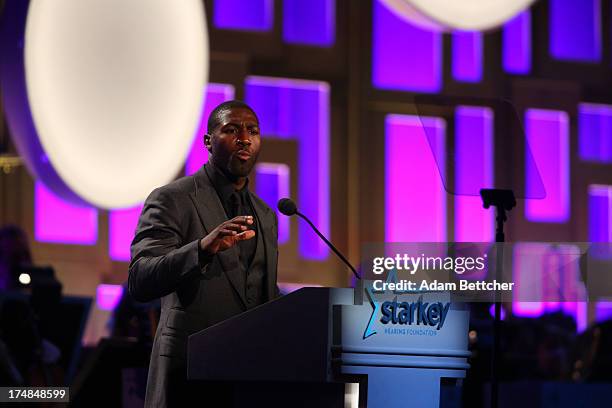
[389, 309]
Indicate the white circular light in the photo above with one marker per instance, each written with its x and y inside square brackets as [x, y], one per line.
[458, 14]
[115, 91]
[24, 279]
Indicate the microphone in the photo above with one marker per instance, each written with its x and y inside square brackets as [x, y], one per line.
[287, 207]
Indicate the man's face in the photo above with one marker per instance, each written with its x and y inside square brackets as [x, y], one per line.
[235, 143]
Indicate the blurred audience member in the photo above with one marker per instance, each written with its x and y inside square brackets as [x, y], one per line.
[593, 354]
[25, 357]
[14, 255]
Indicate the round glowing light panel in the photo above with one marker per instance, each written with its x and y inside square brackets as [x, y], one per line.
[115, 91]
[458, 14]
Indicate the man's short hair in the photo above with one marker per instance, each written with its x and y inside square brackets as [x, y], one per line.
[214, 119]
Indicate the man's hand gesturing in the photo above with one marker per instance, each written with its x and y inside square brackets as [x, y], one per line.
[227, 235]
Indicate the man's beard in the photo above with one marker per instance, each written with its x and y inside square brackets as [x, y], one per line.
[238, 168]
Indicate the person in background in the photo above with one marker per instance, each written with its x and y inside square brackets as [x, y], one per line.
[14, 255]
[25, 357]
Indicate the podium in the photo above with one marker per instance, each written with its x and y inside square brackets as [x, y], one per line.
[398, 347]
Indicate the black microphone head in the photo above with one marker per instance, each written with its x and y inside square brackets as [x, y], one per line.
[287, 207]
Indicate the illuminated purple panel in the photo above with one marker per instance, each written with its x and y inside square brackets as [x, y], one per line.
[404, 56]
[561, 281]
[581, 316]
[548, 137]
[272, 184]
[528, 280]
[108, 296]
[311, 22]
[492, 312]
[58, 221]
[600, 213]
[198, 155]
[603, 311]
[595, 132]
[121, 228]
[577, 310]
[282, 104]
[600, 220]
[528, 309]
[473, 171]
[551, 275]
[252, 15]
[467, 56]
[575, 30]
[517, 44]
[415, 199]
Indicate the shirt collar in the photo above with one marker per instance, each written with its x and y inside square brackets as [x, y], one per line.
[222, 184]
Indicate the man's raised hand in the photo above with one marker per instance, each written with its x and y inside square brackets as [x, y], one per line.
[227, 235]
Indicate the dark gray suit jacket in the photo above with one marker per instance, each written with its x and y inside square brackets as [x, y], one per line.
[196, 292]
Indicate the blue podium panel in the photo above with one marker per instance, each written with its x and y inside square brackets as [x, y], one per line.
[404, 343]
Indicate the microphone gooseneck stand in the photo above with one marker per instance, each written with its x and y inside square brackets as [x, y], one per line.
[288, 207]
[333, 248]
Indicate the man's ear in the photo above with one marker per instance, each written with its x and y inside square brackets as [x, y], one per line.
[207, 142]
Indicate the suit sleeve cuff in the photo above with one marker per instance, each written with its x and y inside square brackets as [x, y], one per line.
[203, 258]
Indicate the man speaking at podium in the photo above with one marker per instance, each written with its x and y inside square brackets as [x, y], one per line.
[207, 246]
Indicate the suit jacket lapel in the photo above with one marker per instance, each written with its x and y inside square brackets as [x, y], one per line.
[211, 213]
[266, 221]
